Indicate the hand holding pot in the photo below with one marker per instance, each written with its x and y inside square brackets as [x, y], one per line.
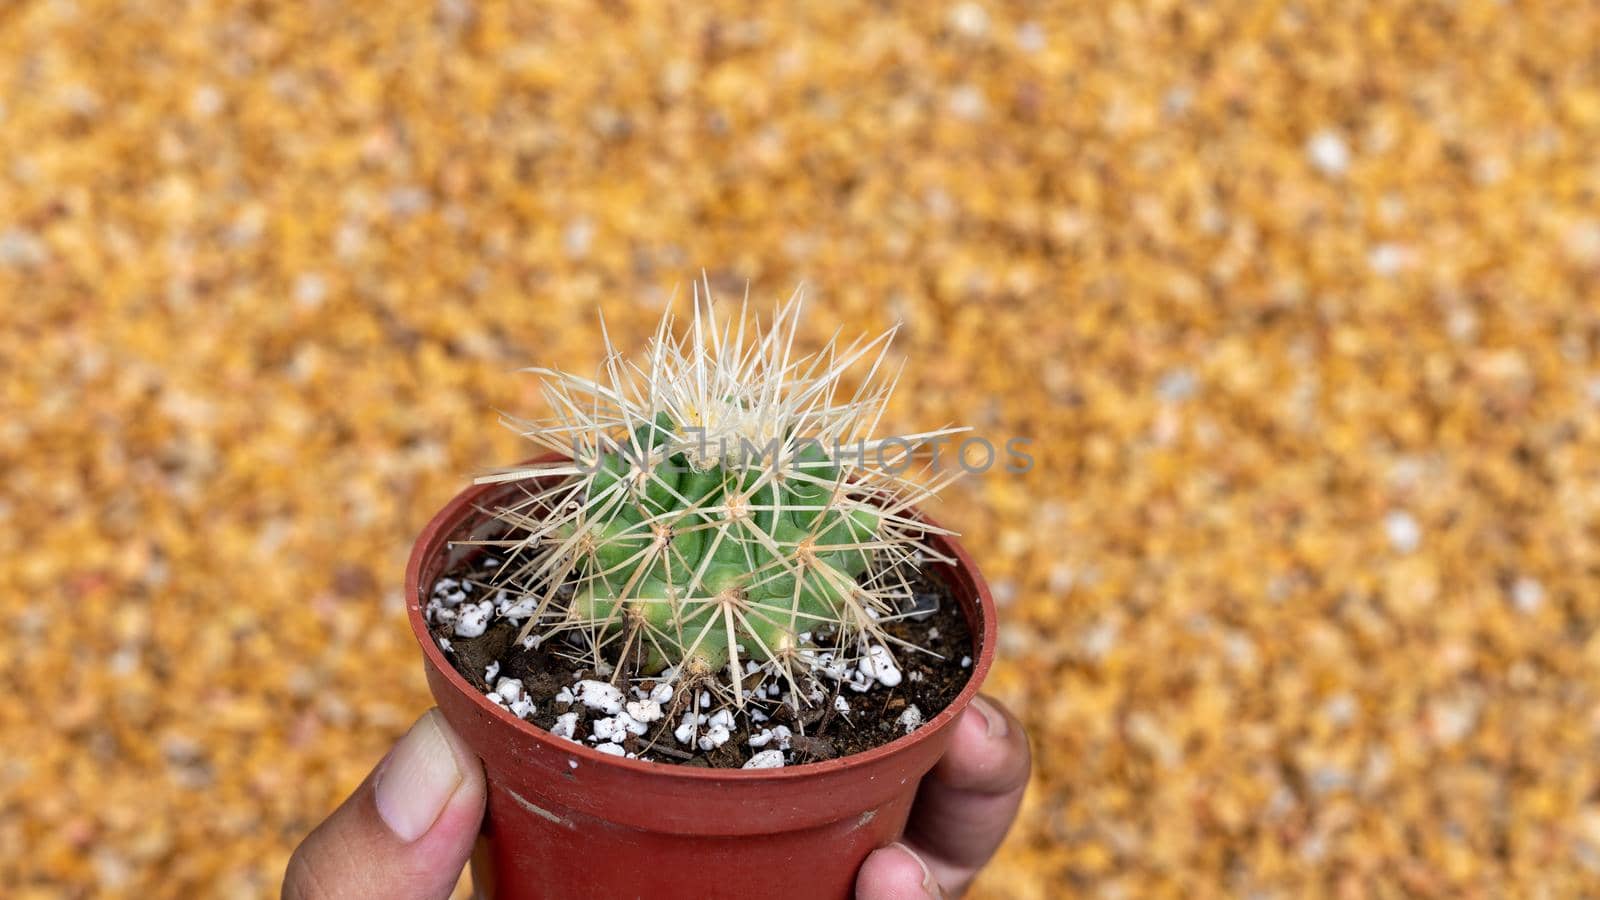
[408, 830]
[963, 810]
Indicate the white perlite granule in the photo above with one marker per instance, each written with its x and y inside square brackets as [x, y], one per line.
[473, 620]
[779, 734]
[766, 759]
[910, 720]
[1402, 530]
[879, 664]
[509, 689]
[1328, 152]
[644, 710]
[566, 726]
[601, 696]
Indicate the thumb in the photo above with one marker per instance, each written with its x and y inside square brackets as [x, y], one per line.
[407, 830]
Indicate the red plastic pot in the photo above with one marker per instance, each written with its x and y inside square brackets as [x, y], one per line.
[565, 820]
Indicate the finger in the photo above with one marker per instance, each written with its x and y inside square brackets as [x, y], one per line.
[407, 830]
[896, 872]
[967, 803]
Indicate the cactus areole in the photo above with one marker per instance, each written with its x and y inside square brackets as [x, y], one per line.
[719, 518]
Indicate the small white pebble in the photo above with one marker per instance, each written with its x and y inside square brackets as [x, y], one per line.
[685, 731]
[517, 610]
[20, 247]
[969, 19]
[879, 664]
[444, 644]
[474, 619]
[1388, 259]
[1328, 152]
[714, 737]
[1340, 709]
[644, 710]
[613, 749]
[661, 693]
[766, 759]
[566, 726]
[564, 695]
[310, 289]
[910, 719]
[1527, 594]
[860, 681]
[841, 705]
[832, 666]
[705, 699]
[781, 734]
[601, 696]
[1403, 531]
[532, 641]
[608, 729]
[491, 670]
[577, 237]
[509, 688]
[1005, 592]
[965, 102]
[966, 662]
[1582, 242]
[522, 707]
[1030, 37]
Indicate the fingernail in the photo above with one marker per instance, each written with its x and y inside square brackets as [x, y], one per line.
[996, 720]
[418, 779]
[929, 883]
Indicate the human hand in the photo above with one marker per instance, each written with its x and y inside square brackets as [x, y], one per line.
[408, 830]
[963, 811]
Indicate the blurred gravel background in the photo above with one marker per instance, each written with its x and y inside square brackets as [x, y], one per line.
[1297, 300]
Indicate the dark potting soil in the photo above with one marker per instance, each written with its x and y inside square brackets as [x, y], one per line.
[929, 681]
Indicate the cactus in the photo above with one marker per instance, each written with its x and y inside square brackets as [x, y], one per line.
[723, 507]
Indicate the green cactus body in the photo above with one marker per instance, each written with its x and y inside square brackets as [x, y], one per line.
[676, 544]
[761, 587]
